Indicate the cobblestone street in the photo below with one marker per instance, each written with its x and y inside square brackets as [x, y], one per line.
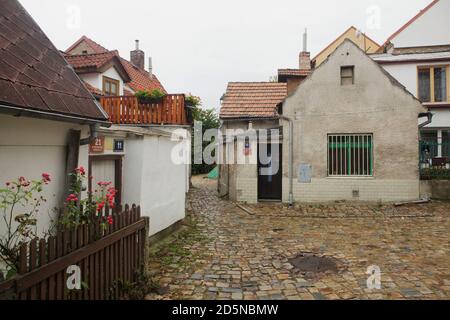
[231, 253]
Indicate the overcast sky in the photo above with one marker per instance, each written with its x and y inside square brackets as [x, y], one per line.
[198, 46]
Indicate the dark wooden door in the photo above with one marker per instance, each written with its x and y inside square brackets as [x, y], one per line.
[270, 173]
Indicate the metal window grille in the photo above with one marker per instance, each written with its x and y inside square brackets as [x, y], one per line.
[350, 155]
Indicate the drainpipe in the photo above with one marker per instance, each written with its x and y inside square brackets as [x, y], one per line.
[92, 136]
[430, 119]
[291, 158]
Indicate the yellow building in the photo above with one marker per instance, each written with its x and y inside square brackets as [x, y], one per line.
[360, 39]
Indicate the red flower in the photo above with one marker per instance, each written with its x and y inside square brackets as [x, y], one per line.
[110, 220]
[81, 170]
[46, 178]
[72, 198]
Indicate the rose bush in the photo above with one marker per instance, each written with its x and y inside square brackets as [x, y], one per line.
[19, 205]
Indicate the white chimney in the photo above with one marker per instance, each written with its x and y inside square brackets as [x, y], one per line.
[305, 41]
[150, 67]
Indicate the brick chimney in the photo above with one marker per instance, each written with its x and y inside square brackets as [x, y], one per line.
[138, 57]
[305, 56]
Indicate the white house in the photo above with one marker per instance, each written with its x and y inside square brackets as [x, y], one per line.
[418, 56]
[47, 116]
[137, 156]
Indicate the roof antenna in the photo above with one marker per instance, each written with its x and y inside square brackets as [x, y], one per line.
[150, 67]
[137, 44]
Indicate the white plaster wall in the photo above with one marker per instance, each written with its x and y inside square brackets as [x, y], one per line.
[406, 74]
[132, 167]
[153, 180]
[96, 79]
[30, 147]
[431, 29]
[163, 191]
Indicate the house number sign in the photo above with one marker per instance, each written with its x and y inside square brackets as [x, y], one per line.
[98, 145]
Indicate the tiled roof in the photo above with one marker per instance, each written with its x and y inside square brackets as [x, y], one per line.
[252, 99]
[93, 89]
[140, 79]
[96, 61]
[294, 72]
[91, 43]
[34, 76]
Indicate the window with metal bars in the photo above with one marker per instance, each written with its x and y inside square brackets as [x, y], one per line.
[350, 155]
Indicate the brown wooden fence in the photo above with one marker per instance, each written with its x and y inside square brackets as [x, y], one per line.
[127, 110]
[108, 259]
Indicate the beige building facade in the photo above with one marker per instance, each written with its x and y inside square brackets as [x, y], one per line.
[354, 135]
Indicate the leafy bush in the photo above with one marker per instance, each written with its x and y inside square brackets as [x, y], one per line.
[19, 206]
[209, 120]
[193, 101]
[153, 96]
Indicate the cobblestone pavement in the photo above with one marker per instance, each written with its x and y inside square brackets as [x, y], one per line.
[232, 253]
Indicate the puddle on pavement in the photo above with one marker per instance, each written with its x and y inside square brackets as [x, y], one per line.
[313, 265]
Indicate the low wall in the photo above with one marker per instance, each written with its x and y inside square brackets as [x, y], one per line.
[435, 189]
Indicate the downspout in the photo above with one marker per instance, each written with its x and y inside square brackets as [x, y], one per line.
[92, 135]
[291, 158]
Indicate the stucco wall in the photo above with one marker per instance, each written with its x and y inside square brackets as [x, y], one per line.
[96, 79]
[431, 29]
[153, 180]
[30, 147]
[321, 106]
[406, 74]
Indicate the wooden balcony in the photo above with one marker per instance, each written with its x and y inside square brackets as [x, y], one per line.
[127, 110]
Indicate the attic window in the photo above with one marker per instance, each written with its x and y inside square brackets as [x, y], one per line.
[84, 52]
[347, 75]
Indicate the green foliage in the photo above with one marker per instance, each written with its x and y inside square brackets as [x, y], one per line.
[209, 120]
[19, 205]
[193, 101]
[150, 96]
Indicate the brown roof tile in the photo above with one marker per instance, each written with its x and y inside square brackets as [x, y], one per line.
[252, 99]
[33, 74]
[294, 72]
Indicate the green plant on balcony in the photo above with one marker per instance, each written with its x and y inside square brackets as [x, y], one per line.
[149, 97]
[192, 101]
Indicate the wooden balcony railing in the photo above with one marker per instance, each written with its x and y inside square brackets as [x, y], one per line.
[127, 110]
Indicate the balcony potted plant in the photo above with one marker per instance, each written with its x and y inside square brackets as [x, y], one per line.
[150, 97]
[192, 101]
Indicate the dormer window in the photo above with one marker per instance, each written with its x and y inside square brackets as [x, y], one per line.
[111, 87]
[347, 75]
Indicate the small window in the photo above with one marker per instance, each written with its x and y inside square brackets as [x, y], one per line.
[111, 87]
[433, 84]
[347, 75]
[350, 155]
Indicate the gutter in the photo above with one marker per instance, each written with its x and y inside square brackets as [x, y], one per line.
[291, 158]
[429, 115]
[20, 112]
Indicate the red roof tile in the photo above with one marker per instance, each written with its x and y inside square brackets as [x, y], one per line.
[91, 43]
[140, 79]
[34, 76]
[96, 60]
[252, 99]
[93, 89]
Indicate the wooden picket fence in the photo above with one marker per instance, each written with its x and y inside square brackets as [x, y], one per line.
[127, 110]
[109, 259]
